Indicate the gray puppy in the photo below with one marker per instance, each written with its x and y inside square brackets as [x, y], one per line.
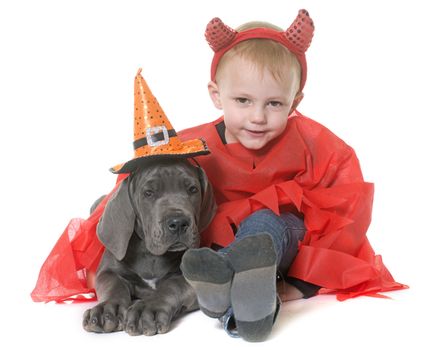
[152, 218]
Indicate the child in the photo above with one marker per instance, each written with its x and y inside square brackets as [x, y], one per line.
[291, 197]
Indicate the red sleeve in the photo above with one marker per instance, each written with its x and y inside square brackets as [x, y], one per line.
[336, 253]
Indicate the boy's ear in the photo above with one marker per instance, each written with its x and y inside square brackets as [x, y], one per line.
[296, 101]
[213, 90]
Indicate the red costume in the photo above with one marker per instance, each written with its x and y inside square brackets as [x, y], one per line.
[307, 170]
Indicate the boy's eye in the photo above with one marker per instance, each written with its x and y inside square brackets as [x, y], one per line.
[275, 104]
[241, 100]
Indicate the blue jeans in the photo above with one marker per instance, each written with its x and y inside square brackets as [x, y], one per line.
[286, 231]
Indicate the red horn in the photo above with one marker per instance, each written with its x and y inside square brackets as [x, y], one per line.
[301, 31]
[218, 34]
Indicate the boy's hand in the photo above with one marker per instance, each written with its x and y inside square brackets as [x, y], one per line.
[287, 292]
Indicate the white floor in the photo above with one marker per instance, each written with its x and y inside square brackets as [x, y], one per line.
[318, 323]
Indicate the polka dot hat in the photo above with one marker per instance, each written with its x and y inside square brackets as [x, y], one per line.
[154, 136]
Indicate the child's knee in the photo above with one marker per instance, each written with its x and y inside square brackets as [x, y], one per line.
[262, 218]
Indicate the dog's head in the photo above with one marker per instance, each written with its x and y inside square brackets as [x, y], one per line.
[166, 203]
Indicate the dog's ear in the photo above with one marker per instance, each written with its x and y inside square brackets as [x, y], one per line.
[208, 207]
[117, 222]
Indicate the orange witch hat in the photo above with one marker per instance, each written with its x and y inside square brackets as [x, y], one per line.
[154, 136]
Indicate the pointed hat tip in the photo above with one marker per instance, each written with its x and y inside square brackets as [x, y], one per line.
[154, 136]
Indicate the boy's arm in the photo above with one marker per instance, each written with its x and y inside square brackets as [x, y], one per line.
[347, 171]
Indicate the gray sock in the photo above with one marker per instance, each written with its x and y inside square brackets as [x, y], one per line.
[210, 276]
[253, 290]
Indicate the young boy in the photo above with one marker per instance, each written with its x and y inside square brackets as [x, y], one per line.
[292, 200]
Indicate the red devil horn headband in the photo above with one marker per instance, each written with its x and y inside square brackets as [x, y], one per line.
[218, 34]
[297, 38]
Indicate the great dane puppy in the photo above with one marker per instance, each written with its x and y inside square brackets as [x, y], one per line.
[151, 219]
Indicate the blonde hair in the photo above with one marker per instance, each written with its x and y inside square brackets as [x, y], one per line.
[263, 54]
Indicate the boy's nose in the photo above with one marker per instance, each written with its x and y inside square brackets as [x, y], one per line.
[258, 116]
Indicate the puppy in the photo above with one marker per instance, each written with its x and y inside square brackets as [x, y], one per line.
[152, 218]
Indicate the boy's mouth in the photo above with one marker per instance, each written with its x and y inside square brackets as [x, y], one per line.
[255, 132]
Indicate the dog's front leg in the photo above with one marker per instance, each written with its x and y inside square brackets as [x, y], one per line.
[153, 315]
[114, 296]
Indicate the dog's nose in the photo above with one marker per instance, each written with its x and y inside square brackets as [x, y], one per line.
[178, 225]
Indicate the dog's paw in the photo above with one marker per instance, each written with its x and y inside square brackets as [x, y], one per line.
[104, 318]
[148, 318]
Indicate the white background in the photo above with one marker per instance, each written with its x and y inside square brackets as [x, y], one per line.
[375, 78]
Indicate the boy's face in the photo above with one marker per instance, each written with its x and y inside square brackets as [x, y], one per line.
[255, 105]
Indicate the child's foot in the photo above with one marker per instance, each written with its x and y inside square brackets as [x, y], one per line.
[253, 290]
[210, 276]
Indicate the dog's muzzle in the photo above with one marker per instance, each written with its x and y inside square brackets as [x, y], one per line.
[181, 232]
[177, 225]
[177, 247]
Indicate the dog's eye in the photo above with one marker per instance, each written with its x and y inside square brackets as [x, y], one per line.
[193, 189]
[148, 193]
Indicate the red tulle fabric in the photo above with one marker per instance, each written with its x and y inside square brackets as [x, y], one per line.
[307, 170]
[65, 274]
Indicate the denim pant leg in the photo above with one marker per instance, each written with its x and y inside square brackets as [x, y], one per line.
[286, 231]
